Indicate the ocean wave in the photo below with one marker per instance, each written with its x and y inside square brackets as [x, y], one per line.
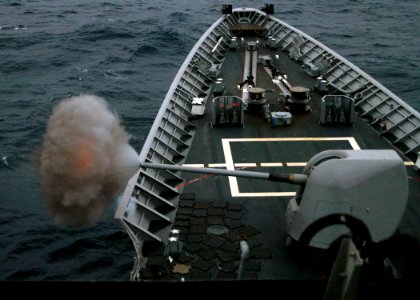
[26, 274]
[113, 60]
[93, 33]
[292, 12]
[18, 66]
[6, 219]
[95, 265]
[31, 245]
[111, 5]
[70, 12]
[74, 249]
[13, 27]
[178, 16]
[18, 43]
[14, 4]
[11, 161]
[113, 75]
[382, 45]
[338, 35]
[146, 50]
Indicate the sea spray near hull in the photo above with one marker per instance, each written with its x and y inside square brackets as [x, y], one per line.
[84, 161]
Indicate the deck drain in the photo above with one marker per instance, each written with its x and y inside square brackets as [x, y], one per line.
[217, 230]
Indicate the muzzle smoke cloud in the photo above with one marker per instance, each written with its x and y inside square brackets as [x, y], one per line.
[84, 160]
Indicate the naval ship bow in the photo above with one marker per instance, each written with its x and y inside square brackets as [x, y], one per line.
[273, 157]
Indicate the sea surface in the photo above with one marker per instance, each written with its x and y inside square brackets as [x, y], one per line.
[128, 51]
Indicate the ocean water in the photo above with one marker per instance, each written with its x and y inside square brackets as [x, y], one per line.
[128, 51]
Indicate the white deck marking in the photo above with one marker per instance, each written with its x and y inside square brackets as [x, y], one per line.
[245, 165]
[269, 194]
[351, 140]
[230, 165]
[222, 165]
[273, 164]
[233, 182]
[251, 165]
[354, 144]
[296, 164]
[264, 165]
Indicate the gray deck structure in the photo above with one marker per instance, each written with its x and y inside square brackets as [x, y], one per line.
[157, 202]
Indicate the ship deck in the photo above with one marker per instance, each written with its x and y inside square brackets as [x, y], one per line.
[255, 209]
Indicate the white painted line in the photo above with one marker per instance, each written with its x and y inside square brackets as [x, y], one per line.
[217, 165]
[272, 194]
[250, 165]
[230, 165]
[296, 164]
[272, 164]
[351, 140]
[353, 143]
[233, 183]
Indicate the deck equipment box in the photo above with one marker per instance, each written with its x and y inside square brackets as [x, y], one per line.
[281, 118]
